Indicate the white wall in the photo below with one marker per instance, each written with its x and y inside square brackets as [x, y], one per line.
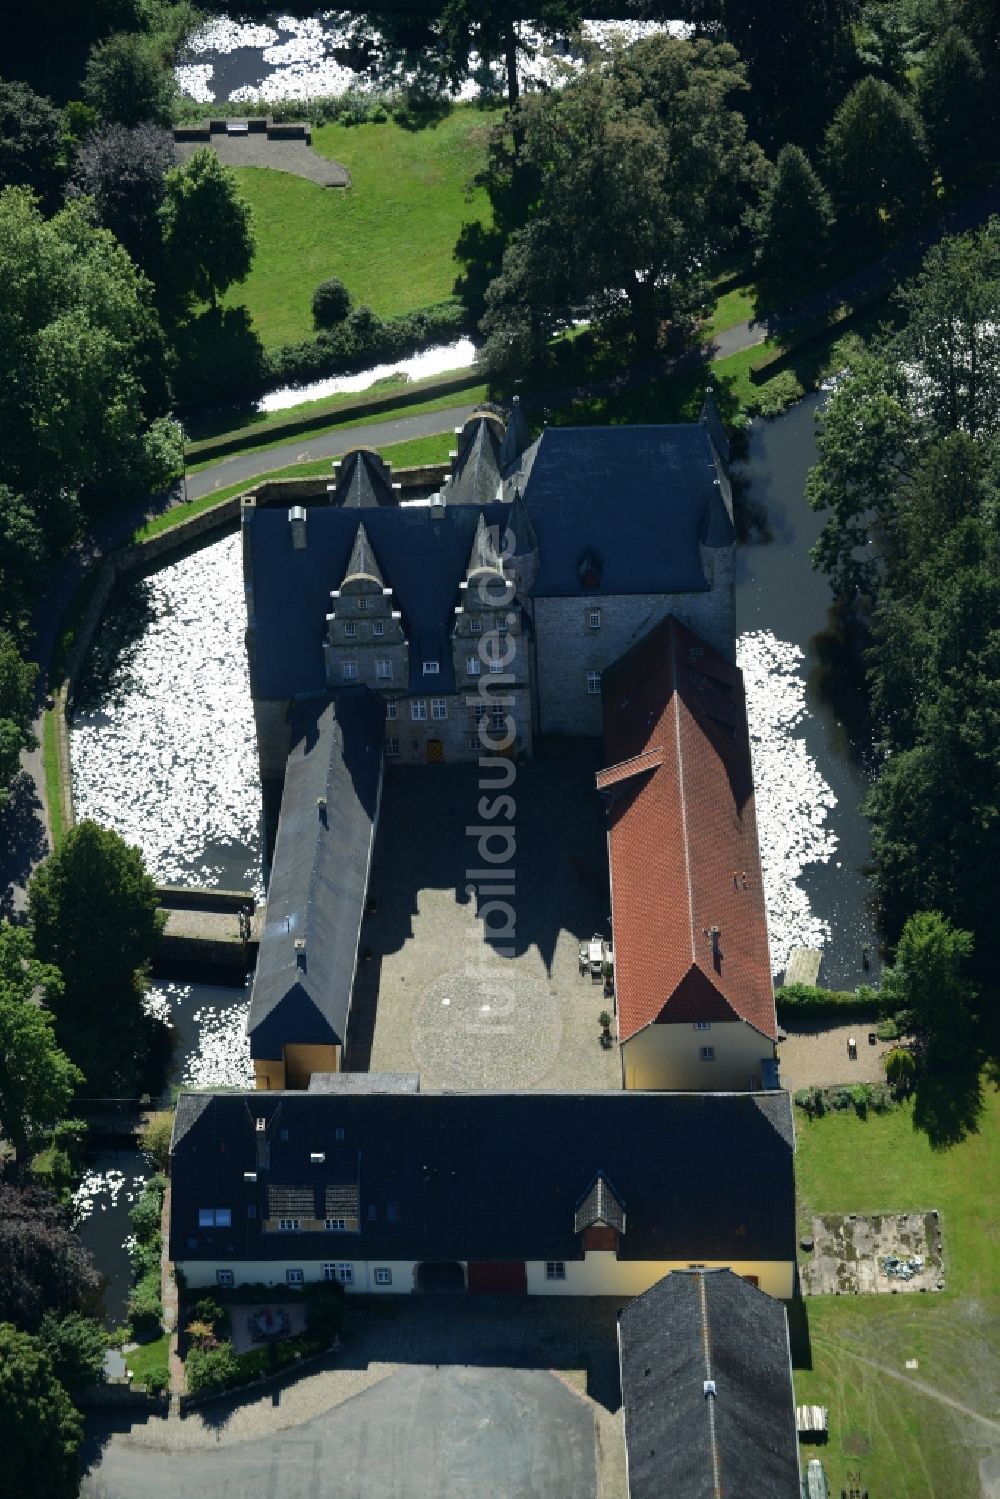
[667, 1058]
[201, 1273]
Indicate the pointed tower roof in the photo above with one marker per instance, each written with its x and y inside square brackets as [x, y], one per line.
[362, 563]
[520, 526]
[363, 480]
[476, 475]
[517, 438]
[484, 552]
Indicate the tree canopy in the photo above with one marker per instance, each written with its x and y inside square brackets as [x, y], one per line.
[17, 691]
[928, 979]
[123, 170]
[31, 143]
[40, 1431]
[875, 160]
[94, 916]
[43, 1265]
[76, 1346]
[792, 225]
[627, 178]
[37, 1080]
[208, 238]
[126, 82]
[952, 103]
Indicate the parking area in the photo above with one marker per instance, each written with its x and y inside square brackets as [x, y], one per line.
[473, 1397]
[434, 994]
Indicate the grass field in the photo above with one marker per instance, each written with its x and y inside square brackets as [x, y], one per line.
[148, 1356]
[905, 1441]
[390, 237]
[53, 780]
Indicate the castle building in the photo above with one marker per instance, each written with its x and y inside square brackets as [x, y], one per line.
[489, 613]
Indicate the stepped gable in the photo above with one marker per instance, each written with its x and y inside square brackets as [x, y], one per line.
[682, 838]
[498, 1176]
[707, 1394]
[319, 876]
[638, 498]
[363, 479]
[475, 477]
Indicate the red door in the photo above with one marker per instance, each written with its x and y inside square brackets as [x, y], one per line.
[498, 1277]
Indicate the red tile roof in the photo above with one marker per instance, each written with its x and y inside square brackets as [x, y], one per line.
[683, 838]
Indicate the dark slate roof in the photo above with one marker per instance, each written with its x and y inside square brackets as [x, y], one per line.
[494, 1176]
[637, 496]
[319, 876]
[516, 439]
[694, 1326]
[476, 472]
[422, 552]
[362, 562]
[363, 479]
[601, 1205]
[364, 1082]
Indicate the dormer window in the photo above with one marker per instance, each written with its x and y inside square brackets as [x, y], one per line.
[431, 668]
[362, 603]
[214, 1217]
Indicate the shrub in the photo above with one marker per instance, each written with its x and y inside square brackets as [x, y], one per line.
[145, 1216]
[210, 1370]
[208, 1310]
[157, 1379]
[861, 1097]
[331, 303]
[363, 339]
[809, 1002]
[145, 1309]
[76, 1346]
[154, 1138]
[900, 1069]
[887, 1030]
[202, 1334]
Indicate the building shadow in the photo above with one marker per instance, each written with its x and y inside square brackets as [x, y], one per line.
[798, 1333]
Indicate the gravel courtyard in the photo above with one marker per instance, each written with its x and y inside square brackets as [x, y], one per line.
[434, 996]
[815, 1056]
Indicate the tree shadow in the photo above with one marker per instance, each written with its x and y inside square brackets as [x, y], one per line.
[218, 355]
[948, 1103]
[480, 249]
[422, 109]
[23, 841]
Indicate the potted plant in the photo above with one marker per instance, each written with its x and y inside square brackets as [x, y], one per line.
[604, 1021]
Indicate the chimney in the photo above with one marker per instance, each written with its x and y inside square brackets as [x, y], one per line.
[300, 952]
[715, 935]
[297, 525]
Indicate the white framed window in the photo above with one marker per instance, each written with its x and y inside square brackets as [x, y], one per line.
[476, 625]
[555, 1269]
[295, 1277]
[336, 1225]
[349, 670]
[383, 1275]
[496, 664]
[391, 708]
[214, 1217]
[477, 712]
[702, 1025]
[473, 666]
[473, 743]
[225, 1278]
[288, 1225]
[593, 683]
[706, 1053]
[498, 717]
[431, 668]
[392, 745]
[418, 708]
[362, 603]
[383, 671]
[439, 707]
[343, 1273]
[378, 626]
[350, 630]
[594, 619]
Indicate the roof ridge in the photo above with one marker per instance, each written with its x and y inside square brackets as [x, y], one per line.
[706, 1344]
[685, 839]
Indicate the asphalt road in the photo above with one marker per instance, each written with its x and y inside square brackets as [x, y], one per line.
[241, 466]
[424, 1432]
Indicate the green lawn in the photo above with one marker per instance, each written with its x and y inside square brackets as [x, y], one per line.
[734, 305]
[904, 1442]
[148, 1356]
[390, 236]
[53, 780]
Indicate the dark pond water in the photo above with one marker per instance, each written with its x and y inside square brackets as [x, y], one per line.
[778, 592]
[111, 1186]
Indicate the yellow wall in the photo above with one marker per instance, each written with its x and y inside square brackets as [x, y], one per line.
[666, 1058]
[599, 1274]
[302, 1061]
[299, 1064]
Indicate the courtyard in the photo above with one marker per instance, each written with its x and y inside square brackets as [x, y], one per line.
[433, 995]
[485, 1397]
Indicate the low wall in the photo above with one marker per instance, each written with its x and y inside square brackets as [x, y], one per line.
[193, 898]
[98, 1397]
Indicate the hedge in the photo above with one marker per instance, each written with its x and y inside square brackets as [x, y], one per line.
[809, 1002]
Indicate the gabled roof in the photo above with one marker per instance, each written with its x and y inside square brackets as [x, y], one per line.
[694, 1327]
[363, 479]
[319, 876]
[601, 1205]
[638, 497]
[682, 838]
[493, 1175]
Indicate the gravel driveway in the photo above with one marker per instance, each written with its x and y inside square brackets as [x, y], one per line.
[816, 1056]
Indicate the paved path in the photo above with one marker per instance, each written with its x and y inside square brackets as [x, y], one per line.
[255, 150]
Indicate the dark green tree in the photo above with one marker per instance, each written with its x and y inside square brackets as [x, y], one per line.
[929, 979]
[123, 170]
[17, 687]
[627, 176]
[44, 1266]
[40, 1432]
[792, 226]
[22, 557]
[126, 82]
[208, 240]
[875, 160]
[952, 104]
[94, 916]
[37, 1080]
[76, 1346]
[84, 367]
[31, 144]
[331, 303]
